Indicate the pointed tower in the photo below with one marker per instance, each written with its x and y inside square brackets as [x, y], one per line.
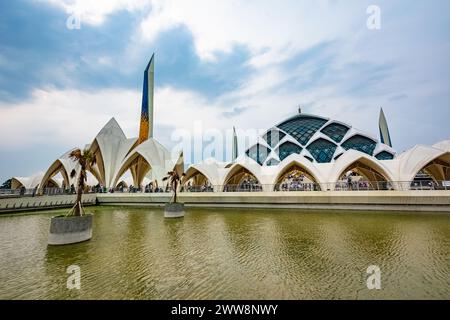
[146, 127]
[385, 137]
[235, 145]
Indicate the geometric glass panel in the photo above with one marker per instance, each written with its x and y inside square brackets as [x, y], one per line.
[288, 148]
[272, 162]
[258, 153]
[384, 155]
[322, 150]
[302, 128]
[360, 143]
[273, 137]
[335, 131]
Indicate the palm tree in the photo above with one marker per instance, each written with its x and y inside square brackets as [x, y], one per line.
[86, 160]
[174, 180]
[175, 176]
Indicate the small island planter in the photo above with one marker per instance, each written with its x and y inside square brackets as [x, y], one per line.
[174, 210]
[68, 230]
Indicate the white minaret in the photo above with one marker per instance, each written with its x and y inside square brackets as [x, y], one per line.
[385, 136]
[235, 145]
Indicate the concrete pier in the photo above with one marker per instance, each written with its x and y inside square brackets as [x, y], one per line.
[20, 204]
[428, 201]
[431, 201]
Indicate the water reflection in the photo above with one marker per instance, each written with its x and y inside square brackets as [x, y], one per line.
[230, 254]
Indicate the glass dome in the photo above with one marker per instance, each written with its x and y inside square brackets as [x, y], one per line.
[318, 139]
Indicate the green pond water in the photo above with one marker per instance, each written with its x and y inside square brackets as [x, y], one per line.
[230, 254]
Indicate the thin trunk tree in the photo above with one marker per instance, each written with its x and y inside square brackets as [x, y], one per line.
[86, 160]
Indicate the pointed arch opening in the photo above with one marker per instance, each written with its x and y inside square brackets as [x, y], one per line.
[196, 181]
[363, 175]
[122, 186]
[434, 175]
[240, 179]
[16, 184]
[99, 169]
[48, 182]
[124, 183]
[139, 168]
[295, 177]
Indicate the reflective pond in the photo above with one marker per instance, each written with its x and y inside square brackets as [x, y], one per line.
[230, 254]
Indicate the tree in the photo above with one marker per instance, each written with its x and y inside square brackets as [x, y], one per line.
[174, 181]
[175, 176]
[86, 161]
[6, 184]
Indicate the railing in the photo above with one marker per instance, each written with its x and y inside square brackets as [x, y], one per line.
[18, 192]
[338, 186]
[282, 187]
[138, 190]
[197, 189]
[22, 192]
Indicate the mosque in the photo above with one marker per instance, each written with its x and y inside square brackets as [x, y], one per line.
[302, 153]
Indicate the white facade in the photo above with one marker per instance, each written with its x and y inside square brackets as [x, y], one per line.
[400, 172]
[327, 153]
[116, 155]
[30, 182]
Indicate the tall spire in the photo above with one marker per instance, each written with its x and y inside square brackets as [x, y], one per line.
[385, 137]
[146, 126]
[235, 145]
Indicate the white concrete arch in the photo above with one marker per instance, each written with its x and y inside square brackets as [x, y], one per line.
[250, 165]
[53, 170]
[16, 183]
[352, 157]
[443, 145]
[208, 173]
[27, 182]
[153, 155]
[110, 148]
[130, 163]
[302, 162]
[122, 183]
[418, 161]
[414, 160]
[65, 166]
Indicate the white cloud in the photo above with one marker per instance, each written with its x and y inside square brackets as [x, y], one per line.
[279, 29]
[273, 32]
[73, 117]
[94, 12]
[65, 117]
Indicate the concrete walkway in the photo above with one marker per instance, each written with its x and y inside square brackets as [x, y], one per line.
[335, 200]
[9, 205]
[425, 201]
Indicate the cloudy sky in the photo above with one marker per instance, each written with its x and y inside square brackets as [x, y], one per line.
[229, 63]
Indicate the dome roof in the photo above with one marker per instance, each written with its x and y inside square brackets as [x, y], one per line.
[318, 139]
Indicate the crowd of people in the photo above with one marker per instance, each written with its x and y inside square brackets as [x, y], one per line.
[296, 182]
[352, 181]
[248, 184]
[206, 187]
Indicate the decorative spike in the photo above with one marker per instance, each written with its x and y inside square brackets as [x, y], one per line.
[385, 136]
[146, 126]
[235, 145]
